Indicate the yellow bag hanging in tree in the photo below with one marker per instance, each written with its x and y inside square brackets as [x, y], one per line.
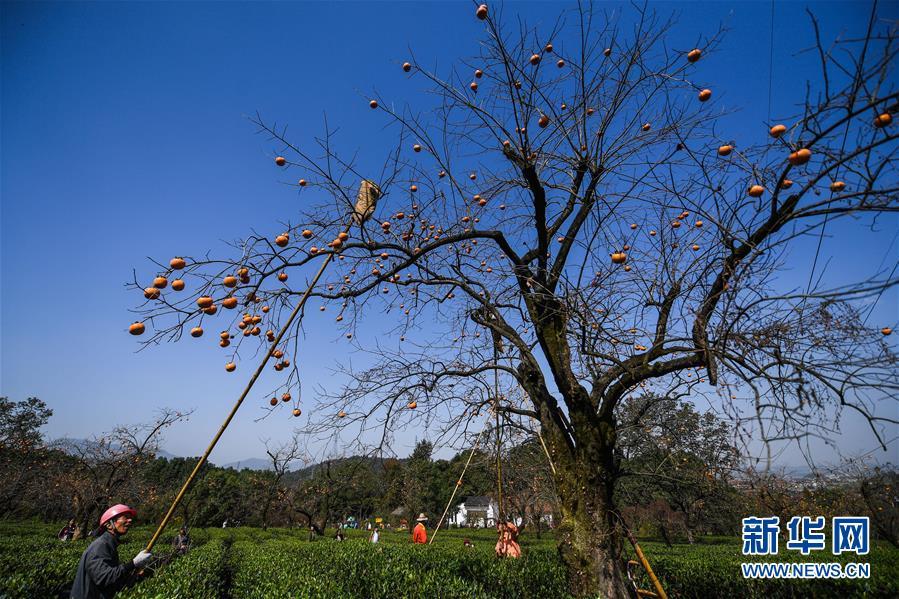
[365, 201]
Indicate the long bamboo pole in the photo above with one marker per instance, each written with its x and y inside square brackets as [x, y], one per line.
[456, 487]
[546, 451]
[243, 395]
[645, 562]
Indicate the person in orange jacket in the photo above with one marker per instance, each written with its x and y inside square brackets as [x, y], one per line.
[419, 533]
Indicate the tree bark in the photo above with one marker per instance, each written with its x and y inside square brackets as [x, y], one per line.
[591, 537]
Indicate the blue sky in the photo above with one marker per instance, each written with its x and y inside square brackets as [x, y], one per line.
[124, 135]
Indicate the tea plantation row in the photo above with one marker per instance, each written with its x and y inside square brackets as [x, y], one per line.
[280, 563]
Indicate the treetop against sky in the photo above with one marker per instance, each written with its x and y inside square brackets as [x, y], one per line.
[125, 136]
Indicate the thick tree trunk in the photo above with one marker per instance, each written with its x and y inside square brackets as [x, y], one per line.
[663, 530]
[582, 448]
[591, 534]
[265, 509]
[88, 514]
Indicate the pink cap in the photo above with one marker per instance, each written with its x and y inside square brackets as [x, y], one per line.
[116, 510]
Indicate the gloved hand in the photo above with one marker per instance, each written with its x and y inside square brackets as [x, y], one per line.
[141, 558]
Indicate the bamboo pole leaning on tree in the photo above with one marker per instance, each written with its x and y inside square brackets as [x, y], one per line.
[656, 584]
[364, 208]
[457, 485]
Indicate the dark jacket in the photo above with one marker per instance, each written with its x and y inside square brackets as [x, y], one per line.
[100, 575]
[181, 543]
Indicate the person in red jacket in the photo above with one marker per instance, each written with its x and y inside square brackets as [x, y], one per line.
[419, 533]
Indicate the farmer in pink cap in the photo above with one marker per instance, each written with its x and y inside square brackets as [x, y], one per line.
[100, 575]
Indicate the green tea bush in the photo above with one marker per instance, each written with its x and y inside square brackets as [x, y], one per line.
[201, 574]
[281, 563]
[701, 571]
[33, 563]
[38, 567]
[355, 568]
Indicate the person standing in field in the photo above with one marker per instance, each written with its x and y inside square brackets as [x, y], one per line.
[375, 536]
[181, 543]
[99, 574]
[419, 533]
[507, 545]
[68, 532]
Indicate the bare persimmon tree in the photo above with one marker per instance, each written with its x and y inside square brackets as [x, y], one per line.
[568, 226]
[103, 469]
[283, 457]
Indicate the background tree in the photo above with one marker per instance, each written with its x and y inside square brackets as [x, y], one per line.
[225, 494]
[394, 478]
[22, 450]
[161, 478]
[336, 489]
[21, 422]
[362, 486]
[479, 479]
[104, 469]
[417, 489]
[284, 457]
[528, 485]
[677, 458]
[880, 491]
[654, 517]
[571, 219]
